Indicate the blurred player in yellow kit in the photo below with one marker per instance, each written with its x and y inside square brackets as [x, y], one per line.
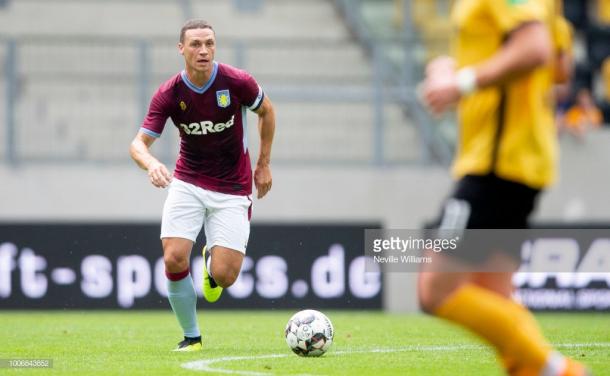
[508, 54]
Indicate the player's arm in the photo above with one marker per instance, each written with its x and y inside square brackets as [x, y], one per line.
[564, 67]
[140, 153]
[266, 129]
[527, 48]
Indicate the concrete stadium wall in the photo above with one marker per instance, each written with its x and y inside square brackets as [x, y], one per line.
[397, 197]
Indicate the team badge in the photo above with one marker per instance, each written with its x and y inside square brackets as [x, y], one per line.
[223, 98]
[182, 105]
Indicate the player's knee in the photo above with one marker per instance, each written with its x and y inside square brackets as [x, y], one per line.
[430, 295]
[427, 302]
[226, 281]
[225, 276]
[175, 262]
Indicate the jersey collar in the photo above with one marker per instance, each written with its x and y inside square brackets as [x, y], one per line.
[206, 86]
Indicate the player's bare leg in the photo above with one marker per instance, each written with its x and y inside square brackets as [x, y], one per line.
[225, 265]
[221, 268]
[181, 291]
[434, 287]
[499, 282]
[176, 253]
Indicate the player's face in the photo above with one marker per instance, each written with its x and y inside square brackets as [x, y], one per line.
[198, 49]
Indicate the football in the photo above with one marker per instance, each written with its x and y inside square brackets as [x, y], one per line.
[309, 333]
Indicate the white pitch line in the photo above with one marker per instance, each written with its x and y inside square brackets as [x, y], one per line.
[576, 345]
[205, 365]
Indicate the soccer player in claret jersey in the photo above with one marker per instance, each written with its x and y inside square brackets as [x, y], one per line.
[212, 181]
[501, 80]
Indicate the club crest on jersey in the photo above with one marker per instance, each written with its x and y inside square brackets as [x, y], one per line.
[223, 98]
[182, 105]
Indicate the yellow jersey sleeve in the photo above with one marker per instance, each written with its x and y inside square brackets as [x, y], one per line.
[510, 14]
[562, 34]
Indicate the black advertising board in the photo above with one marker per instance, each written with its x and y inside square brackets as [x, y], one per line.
[582, 284]
[107, 266]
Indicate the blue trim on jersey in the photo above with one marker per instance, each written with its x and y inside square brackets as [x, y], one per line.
[244, 123]
[150, 133]
[202, 89]
[259, 100]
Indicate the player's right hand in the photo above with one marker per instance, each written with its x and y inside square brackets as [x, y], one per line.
[442, 65]
[159, 174]
[439, 91]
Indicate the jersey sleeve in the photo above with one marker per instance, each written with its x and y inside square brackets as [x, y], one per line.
[157, 115]
[562, 34]
[250, 93]
[510, 14]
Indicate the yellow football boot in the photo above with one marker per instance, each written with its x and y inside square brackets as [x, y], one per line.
[211, 291]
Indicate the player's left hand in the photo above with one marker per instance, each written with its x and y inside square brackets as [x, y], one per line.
[262, 180]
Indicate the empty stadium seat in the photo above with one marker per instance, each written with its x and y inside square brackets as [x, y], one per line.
[598, 39]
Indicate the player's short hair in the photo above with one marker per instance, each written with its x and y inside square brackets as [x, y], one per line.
[194, 24]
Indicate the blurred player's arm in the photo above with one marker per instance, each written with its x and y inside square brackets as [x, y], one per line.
[140, 153]
[527, 48]
[266, 129]
[564, 67]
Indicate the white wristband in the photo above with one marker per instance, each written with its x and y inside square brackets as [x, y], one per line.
[467, 80]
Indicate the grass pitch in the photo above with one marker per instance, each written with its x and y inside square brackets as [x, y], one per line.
[252, 343]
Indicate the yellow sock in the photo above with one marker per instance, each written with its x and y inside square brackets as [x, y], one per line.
[509, 327]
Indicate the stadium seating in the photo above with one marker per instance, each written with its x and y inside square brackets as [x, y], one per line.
[85, 102]
[602, 10]
[433, 21]
[605, 78]
[598, 46]
[576, 12]
[429, 19]
[583, 77]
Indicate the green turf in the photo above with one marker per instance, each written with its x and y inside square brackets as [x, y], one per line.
[138, 343]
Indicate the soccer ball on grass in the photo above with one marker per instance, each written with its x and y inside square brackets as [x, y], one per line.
[309, 333]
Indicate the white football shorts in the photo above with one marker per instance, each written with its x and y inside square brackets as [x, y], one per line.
[225, 217]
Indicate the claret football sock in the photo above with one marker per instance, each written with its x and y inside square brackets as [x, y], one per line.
[505, 324]
[183, 299]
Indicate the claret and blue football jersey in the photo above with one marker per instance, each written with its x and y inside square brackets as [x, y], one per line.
[212, 123]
